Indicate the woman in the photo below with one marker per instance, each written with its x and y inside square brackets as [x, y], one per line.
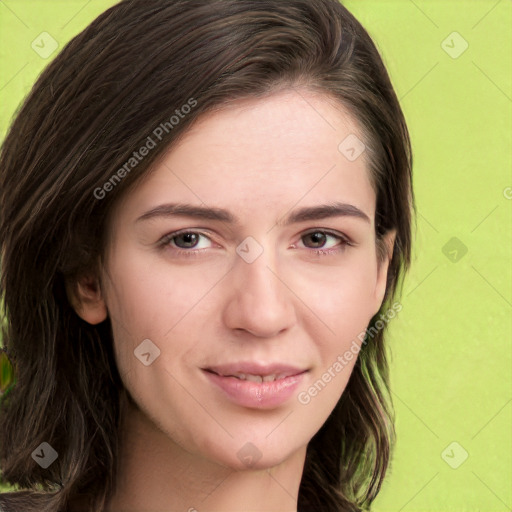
[206, 212]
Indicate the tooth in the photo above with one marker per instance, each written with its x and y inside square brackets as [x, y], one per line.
[269, 378]
[254, 378]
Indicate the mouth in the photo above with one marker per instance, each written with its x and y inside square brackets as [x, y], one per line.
[256, 386]
[256, 372]
[257, 378]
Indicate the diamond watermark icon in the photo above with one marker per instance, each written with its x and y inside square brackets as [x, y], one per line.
[249, 250]
[454, 455]
[351, 147]
[147, 352]
[249, 454]
[454, 249]
[44, 45]
[44, 455]
[454, 45]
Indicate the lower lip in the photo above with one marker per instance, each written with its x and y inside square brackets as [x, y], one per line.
[260, 395]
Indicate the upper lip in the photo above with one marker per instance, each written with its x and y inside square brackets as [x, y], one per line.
[252, 368]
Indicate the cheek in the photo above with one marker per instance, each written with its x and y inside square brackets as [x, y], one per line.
[344, 297]
[152, 292]
[151, 302]
[345, 304]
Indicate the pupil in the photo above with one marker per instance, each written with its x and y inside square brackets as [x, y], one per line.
[189, 238]
[318, 238]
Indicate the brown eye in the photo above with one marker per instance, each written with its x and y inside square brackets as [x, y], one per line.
[318, 238]
[322, 242]
[189, 240]
[186, 242]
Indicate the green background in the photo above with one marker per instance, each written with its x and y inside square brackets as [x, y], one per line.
[451, 344]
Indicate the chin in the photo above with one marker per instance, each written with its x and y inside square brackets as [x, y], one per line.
[253, 456]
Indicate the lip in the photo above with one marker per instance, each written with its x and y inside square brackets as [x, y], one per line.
[255, 369]
[259, 395]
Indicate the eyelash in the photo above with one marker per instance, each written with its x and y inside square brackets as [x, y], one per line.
[345, 241]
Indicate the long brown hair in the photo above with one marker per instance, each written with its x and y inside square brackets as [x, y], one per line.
[109, 89]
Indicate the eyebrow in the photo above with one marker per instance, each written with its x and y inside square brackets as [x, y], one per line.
[304, 214]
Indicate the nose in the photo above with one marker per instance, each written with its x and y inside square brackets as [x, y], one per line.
[259, 302]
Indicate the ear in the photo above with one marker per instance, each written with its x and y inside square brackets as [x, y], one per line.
[384, 254]
[87, 299]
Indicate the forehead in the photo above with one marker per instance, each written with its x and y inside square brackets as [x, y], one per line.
[284, 127]
[262, 155]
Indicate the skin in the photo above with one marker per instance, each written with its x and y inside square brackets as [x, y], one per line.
[261, 159]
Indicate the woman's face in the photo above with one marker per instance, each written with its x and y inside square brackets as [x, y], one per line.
[258, 278]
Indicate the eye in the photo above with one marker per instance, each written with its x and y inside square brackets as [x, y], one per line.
[186, 242]
[326, 242]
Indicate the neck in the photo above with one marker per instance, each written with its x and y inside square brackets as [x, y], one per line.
[157, 474]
